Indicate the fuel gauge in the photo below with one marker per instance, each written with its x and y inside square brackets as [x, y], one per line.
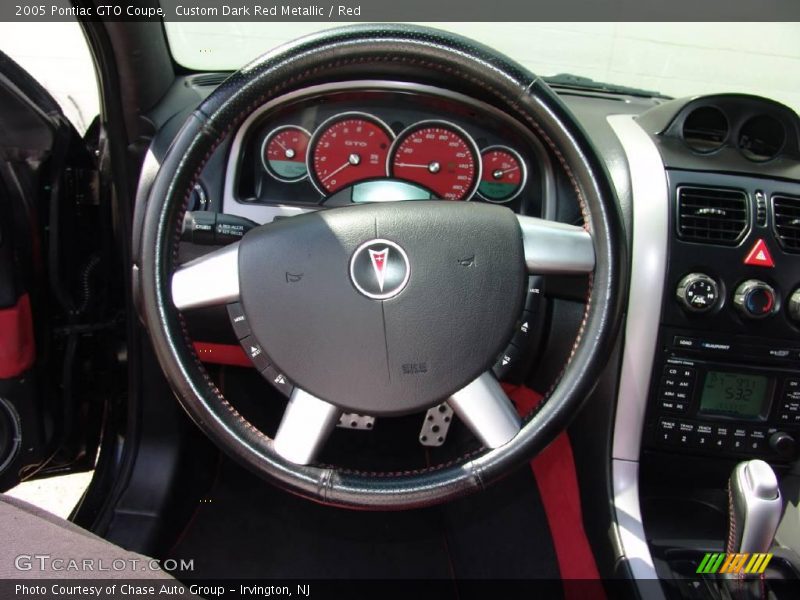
[284, 153]
[503, 174]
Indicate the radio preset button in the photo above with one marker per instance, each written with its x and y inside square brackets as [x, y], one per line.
[757, 441]
[685, 435]
[703, 436]
[720, 441]
[739, 439]
[667, 431]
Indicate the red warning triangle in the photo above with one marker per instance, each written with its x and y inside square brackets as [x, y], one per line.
[759, 256]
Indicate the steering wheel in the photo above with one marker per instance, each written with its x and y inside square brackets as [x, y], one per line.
[386, 318]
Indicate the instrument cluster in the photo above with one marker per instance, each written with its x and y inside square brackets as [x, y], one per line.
[387, 144]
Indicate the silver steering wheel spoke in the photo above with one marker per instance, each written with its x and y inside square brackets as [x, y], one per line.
[305, 427]
[552, 247]
[486, 409]
[210, 280]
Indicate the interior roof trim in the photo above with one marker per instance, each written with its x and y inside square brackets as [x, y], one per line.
[650, 205]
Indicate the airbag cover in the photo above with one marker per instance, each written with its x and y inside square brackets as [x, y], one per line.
[416, 331]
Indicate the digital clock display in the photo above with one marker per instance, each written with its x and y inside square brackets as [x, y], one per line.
[736, 395]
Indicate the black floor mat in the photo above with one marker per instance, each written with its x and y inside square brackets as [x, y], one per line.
[247, 528]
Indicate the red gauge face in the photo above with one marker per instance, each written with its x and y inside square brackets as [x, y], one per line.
[439, 157]
[349, 149]
[502, 175]
[284, 153]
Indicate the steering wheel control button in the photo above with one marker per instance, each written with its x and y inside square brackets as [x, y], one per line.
[278, 379]
[380, 269]
[238, 320]
[524, 331]
[255, 352]
[759, 256]
[697, 293]
[755, 299]
[507, 361]
[436, 425]
[535, 292]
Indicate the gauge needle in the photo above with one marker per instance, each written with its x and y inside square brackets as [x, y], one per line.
[500, 172]
[433, 167]
[335, 171]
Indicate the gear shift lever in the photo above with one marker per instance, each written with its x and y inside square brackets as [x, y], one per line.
[755, 507]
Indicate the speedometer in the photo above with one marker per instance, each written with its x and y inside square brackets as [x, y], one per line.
[438, 155]
[348, 148]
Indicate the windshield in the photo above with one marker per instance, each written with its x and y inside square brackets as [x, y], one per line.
[675, 59]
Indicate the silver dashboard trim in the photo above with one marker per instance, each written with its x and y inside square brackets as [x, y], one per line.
[649, 190]
[263, 213]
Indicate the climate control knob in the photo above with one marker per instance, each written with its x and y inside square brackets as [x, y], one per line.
[697, 292]
[794, 306]
[755, 299]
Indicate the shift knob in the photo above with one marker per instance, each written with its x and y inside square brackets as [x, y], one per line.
[755, 507]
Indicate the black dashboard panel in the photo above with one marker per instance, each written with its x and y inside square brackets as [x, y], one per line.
[734, 133]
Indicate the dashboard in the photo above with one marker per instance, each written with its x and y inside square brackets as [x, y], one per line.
[708, 188]
[372, 141]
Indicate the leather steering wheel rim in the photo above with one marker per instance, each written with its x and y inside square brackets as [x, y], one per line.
[357, 53]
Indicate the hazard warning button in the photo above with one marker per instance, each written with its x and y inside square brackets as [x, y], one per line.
[759, 256]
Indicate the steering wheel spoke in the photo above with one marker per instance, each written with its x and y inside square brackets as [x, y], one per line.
[552, 247]
[210, 280]
[484, 407]
[306, 425]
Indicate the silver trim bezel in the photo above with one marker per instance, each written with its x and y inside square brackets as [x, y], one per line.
[327, 124]
[445, 125]
[264, 161]
[650, 243]
[522, 165]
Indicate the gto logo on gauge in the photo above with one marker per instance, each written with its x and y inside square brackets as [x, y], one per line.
[380, 269]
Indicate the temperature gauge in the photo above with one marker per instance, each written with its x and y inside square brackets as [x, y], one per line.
[503, 176]
[284, 153]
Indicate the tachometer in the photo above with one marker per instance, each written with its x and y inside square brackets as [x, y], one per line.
[284, 153]
[347, 148]
[438, 155]
[503, 174]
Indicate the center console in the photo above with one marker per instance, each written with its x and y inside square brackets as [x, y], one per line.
[726, 373]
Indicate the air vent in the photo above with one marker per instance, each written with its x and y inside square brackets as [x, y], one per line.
[786, 216]
[705, 129]
[712, 215]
